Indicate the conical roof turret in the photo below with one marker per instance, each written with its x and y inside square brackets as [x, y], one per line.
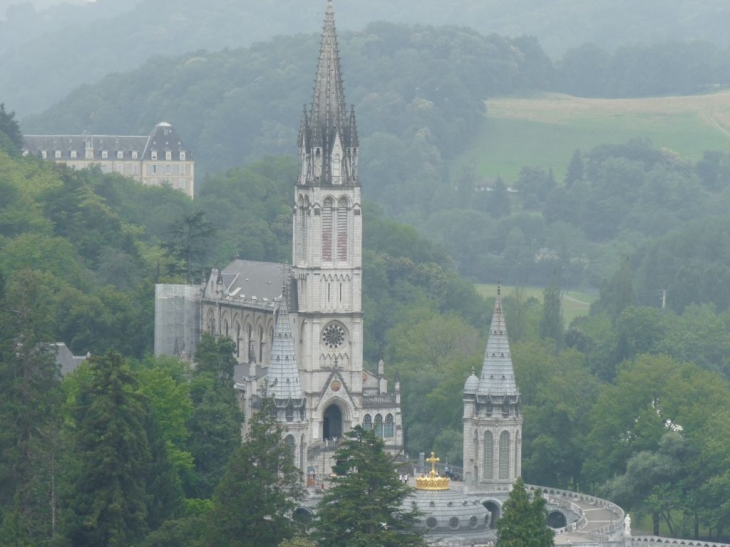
[283, 381]
[498, 376]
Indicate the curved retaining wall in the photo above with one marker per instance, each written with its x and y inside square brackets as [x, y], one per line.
[601, 534]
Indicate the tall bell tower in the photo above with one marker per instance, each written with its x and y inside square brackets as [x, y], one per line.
[327, 251]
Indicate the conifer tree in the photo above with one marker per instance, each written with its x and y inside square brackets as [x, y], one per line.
[524, 522]
[215, 423]
[260, 489]
[10, 130]
[551, 322]
[30, 398]
[575, 170]
[363, 508]
[108, 503]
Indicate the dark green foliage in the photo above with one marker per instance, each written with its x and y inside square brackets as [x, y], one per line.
[575, 170]
[215, 423]
[11, 139]
[260, 488]
[363, 507]
[108, 505]
[524, 522]
[30, 400]
[551, 322]
[189, 243]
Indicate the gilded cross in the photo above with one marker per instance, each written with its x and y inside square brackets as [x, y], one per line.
[433, 460]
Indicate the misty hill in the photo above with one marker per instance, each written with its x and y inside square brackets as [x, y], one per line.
[235, 106]
[40, 69]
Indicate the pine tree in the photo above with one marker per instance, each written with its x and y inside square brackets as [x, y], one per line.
[364, 507]
[108, 504]
[260, 489]
[215, 424]
[30, 398]
[575, 170]
[9, 128]
[551, 322]
[524, 522]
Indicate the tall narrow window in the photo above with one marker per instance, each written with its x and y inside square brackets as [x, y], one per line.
[488, 472]
[367, 422]
[342, 230]
[504, 453]
[261, 345]
[378, 425]
[389, 429]
[336, 167]
[327, 230]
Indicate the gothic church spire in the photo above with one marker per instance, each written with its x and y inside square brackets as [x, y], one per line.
[328, 140]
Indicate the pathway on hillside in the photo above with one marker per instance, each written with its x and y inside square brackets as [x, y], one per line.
[597, 517]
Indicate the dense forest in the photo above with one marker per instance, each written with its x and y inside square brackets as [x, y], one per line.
[630, 402]
[420, 97]
[40, 50]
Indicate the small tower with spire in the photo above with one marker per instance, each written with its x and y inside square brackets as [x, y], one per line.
[283, 384]
[492, 413]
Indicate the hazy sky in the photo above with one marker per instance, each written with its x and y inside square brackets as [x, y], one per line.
[38, 4]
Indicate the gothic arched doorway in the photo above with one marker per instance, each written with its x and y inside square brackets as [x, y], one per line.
[332, 423]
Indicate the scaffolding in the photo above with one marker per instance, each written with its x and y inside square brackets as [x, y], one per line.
[177, 320]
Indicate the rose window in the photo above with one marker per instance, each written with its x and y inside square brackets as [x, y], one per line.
[333, 336]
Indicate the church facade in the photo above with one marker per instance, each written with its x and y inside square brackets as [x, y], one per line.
[298, 329]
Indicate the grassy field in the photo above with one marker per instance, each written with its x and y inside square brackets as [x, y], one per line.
[575, 303]
[545, 130]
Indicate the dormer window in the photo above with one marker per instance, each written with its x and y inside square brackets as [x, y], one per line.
[134, 154]
[120, 155]
[73, 154]
[58, 154]
[89, 154]
[104, 154]
[168, 155]
[154, 155]
[182, 156]
[44, 154]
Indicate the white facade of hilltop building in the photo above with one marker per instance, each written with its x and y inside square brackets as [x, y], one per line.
[158, 159]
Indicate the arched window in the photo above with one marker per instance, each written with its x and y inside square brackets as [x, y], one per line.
[367, 422]
[327, 230]
[504, 453]
[238, 339]
[290, 412]
[251, 346]
[261, 344]
[342, 210]
[225, 327]
[291, 444]
[378, 425]
[488, 456]
[389, 429]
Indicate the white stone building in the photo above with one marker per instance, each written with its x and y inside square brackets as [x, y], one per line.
[157, 159]
[299, 329]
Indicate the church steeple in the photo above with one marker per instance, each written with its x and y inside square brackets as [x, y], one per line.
[498, 376]
[328, 141]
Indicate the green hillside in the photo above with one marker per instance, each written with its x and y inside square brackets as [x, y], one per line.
[545, 130]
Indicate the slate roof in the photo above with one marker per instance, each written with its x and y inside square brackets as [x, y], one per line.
[498, 377]
[250, 278]
[164, 137]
